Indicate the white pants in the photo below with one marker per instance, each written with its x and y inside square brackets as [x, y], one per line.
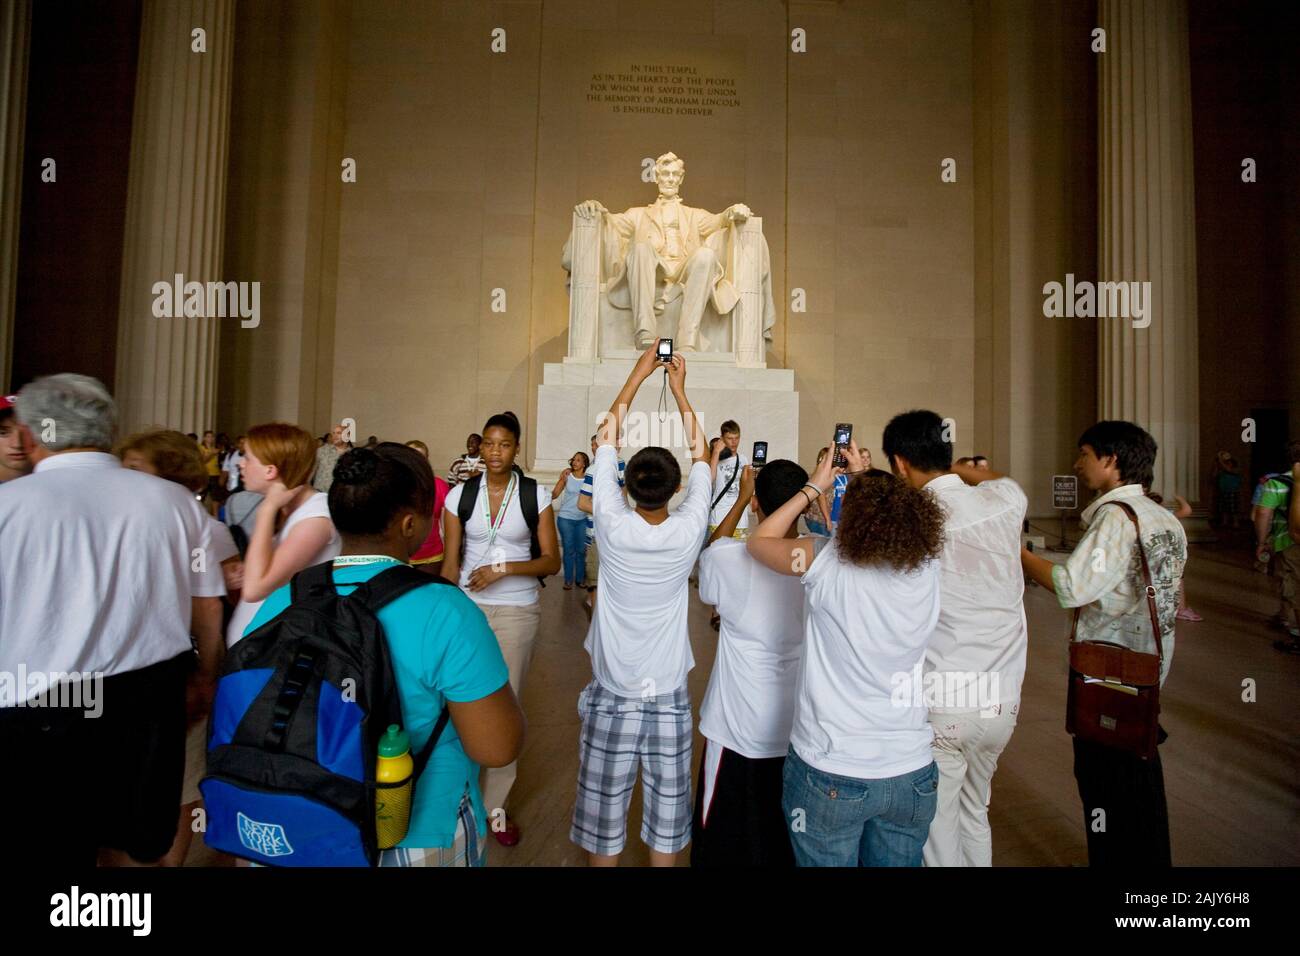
[966, 748]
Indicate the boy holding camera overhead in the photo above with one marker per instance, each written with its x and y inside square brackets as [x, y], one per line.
[636, 711]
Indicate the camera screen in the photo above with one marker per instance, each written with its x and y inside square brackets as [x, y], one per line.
[665, 349]
[843, 433]
[760, 452]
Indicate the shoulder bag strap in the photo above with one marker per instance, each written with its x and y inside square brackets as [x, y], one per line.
[1146, 579]
[727, 487]
[422, 758]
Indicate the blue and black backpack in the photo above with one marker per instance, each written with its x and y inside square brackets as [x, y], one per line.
[296, 722]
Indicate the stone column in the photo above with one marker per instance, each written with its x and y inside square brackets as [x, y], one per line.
[584, 289]
[1147, 231]
[15, 30]
[747, 334]
[175, 215]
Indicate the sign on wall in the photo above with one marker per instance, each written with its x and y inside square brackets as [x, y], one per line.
[1065, 492]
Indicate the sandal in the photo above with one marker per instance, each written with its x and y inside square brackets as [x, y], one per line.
[1187, 614]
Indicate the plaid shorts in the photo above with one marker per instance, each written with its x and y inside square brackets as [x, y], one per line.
[618, 734]
[466, 849]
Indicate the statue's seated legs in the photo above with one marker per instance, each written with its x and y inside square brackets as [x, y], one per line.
[699, 274]
[692, 279]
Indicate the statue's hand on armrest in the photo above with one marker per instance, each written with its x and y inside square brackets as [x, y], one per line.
[590, 209]
[737, 213]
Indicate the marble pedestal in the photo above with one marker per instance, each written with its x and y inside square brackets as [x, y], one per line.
[574, 393]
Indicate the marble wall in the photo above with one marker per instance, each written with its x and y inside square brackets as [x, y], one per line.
[383, 293]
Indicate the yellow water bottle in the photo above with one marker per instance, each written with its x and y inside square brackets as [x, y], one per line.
[393, 786]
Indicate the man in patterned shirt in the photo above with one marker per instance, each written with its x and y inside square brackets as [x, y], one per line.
[1103, 579]
[327, 456]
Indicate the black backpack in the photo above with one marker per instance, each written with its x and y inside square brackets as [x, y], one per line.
[527, 504]
[296, 722]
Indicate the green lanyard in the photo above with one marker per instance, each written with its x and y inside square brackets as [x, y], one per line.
[495, 526]
[351, 559]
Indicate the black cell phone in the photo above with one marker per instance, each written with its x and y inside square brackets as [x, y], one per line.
[760, 454]
[665, 350]
[843, 435]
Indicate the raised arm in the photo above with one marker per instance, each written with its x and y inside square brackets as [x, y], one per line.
[690, 424]
[768, 544]
[267, 566]
[558, 491]
[972, 475]
[612, 422]
[728, 526]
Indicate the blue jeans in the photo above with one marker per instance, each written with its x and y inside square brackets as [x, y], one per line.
[573, 535]
[847, 821]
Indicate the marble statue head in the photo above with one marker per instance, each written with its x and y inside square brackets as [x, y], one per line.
[670, 170]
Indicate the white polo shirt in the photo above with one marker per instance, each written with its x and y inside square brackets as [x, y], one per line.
[638, 641]
[977, 653]
[95, 567]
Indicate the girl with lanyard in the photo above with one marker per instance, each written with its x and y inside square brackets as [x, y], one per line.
[498, 572]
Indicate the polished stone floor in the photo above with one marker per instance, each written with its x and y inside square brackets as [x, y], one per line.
[1232, 768]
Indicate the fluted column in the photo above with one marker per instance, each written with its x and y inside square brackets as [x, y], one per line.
[1147, 230]
[175, 216]
[15, 32]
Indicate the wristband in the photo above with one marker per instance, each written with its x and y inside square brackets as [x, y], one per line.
[809, 484]
[807, 497]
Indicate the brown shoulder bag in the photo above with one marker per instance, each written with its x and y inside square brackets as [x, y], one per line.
[1114, 692]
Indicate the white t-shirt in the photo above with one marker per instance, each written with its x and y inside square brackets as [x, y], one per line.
[231, 468]
[977, 652]
[725, 470]
[96, 568]
[223, 546]
[749, 705]
[638, 639]
[866, 629]
[513, 543]
[317, 506]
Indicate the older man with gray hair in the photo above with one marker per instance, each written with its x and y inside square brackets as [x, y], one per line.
[99, 574]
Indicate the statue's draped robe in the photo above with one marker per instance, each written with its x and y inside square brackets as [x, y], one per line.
[696, 227]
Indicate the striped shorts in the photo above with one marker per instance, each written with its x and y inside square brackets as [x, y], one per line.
[466, 849]
[618, 735]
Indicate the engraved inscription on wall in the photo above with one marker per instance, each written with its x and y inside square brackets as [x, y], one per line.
[665, 89]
